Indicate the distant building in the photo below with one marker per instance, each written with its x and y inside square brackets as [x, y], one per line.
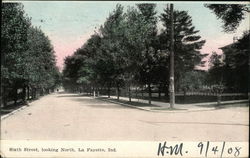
[228, 50]
[235, 56]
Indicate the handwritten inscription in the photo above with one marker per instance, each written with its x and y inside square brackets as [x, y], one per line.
[163, 149]
[205, 149]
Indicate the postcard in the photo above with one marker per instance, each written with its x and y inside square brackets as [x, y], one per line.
[130, 79]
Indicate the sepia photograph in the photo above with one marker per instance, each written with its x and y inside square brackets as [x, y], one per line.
[125, 79]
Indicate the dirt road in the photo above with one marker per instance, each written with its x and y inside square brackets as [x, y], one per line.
[63, 116]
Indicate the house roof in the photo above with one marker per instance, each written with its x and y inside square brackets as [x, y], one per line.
[227, 46]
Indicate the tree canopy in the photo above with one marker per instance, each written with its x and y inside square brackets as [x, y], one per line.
[232, 70]
[187, 43]
[129, 49]
[230, 14]
[27, 55]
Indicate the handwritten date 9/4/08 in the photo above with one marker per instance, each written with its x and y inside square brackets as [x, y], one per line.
[205, 149]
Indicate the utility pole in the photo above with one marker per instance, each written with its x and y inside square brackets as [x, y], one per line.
[171, 79]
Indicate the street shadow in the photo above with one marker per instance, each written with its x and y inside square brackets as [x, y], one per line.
[97, 103]
[73, 95]
[133, 103]
[63, 92]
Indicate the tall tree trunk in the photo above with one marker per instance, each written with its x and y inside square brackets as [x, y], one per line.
[136, 91]
[34, 93]
[149, 94]
[185, 93]
[109, 91]
[28, 92]
[118, 92]
[24, 94]
[94, 92]
[98, 92]
[4, 96]
[159, 92]
[142, 91]
[41, 92]
[166, 92]
[31, 92]
[129, 93]
[15, 96]
[91, 90]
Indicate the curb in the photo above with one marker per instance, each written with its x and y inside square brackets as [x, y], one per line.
[180, 110]
[15, 111]
[131, 106]
[21, 108]
[222, 103]
[159, 111]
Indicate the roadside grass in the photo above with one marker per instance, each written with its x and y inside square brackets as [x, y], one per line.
[190, 99]
[183, 108]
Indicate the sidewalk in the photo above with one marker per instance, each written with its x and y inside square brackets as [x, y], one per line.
[14, 109]
[157, 106]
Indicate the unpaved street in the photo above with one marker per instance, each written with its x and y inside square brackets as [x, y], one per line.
[66, 116]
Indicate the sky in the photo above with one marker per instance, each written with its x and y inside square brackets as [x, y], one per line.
[69, 24]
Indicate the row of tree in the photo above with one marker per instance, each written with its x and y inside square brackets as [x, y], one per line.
[28, 62]
[130, 50]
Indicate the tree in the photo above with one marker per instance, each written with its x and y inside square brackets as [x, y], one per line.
[217, 69]
[13, 41]
[193, 80]
[127, 50]
[187, 43]
[28, 57]
[70, 71]
[41, 61]
[237, 64]
[112, 47]
[232, 70]
[230, 14]
[148, 66]
[89, 72]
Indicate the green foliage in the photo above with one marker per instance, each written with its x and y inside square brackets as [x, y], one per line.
[112, 46]
[238, 56]
[217, 69]
[27, 54]
[128, 50]
[233, 70]
[230, 14]
[40, 59]
[14, 42]
[237, 64]
[187, 43]
[193, 80]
